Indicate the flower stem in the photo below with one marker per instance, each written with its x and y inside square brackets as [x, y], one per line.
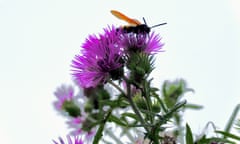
[135, 109]
[117, 87]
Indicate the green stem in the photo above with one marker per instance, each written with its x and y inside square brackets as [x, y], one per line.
[117, 87]
[135, 109]
[162, 104]
[148, 99]
[232, 118]
[99, 132]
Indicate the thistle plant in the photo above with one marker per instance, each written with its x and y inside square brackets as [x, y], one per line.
[116, 101]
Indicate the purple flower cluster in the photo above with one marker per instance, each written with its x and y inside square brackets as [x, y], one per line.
[65, 95]
[75, 140]
[148, 44]
[102, 57]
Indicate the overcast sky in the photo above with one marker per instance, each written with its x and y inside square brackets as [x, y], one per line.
[38, 40]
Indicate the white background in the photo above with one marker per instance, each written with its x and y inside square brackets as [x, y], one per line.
[38, 40]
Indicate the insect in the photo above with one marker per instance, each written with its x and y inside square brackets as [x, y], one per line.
[134, 26]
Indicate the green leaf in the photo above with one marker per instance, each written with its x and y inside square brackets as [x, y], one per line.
[154, 89]
[173, 91]
[131, 115]
[175, 109]
[117, 120]
[229, 135]
[193, 106]
[115, 103]
[205, 140]
[189, 137]
[232, 118]
[237, 125]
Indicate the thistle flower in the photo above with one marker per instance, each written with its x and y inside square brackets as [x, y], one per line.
[76, 124]
[149, 44]
[100, 60]
[75, 140]
[63, 93]
[66, 101]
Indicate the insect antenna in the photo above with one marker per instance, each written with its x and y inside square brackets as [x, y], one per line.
[158, 25]
[144, 21]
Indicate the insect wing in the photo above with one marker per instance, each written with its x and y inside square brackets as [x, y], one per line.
[121, 16]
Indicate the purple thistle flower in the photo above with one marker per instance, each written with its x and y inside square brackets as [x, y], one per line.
[147, 43]
[90, 135]
[63, 93]
[75, 140]
[100, 59]
[76, 124]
